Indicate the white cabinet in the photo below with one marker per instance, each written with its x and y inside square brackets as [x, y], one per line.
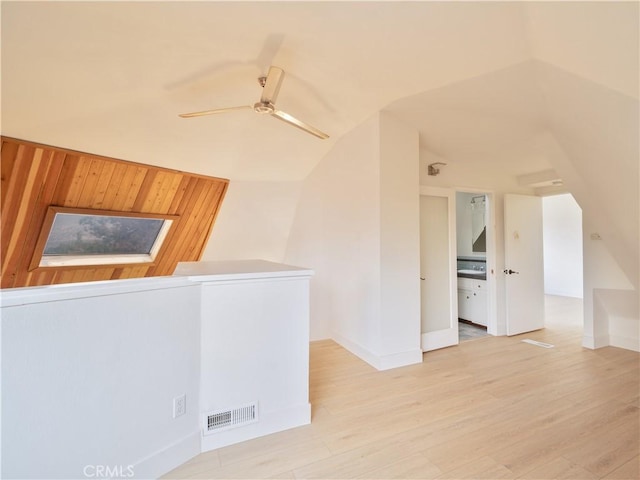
[472, 300]
[465, 304]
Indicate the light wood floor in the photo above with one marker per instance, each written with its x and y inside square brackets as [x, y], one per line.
[490, 408]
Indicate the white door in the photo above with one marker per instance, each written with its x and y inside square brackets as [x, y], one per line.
[439, 311]
[524, 265]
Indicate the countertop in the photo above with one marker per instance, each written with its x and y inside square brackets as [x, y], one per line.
[475, 274]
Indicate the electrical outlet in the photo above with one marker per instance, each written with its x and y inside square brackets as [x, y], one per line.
[179, 406]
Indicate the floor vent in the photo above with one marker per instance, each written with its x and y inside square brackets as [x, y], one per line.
[539, 344]
[226, 419]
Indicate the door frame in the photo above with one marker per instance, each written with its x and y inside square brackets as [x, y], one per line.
[443, 338]
[492, 301]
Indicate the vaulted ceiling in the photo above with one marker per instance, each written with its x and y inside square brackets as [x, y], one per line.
[111, 77]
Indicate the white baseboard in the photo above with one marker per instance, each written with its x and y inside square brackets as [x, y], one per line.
[168, 458]
[439, 339]
[380, 362]
[357, 349]
[595, 342]
[269, 422]
[565, 293]
[625, 342]
[401, 359]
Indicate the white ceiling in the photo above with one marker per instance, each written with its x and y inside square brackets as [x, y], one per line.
[110, 78]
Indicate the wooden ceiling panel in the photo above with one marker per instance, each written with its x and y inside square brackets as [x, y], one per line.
[35, 177]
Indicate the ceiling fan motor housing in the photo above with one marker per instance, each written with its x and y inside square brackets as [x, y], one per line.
[263, 107]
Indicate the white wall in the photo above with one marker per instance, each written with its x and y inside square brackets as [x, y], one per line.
[600, 272]
[254, 221]
[595, 147]
[399, 241]
[254, 345]
[336, 233]
[357, 227]
[90, 371]
[91, 381]
[562, 237]
[618, 311]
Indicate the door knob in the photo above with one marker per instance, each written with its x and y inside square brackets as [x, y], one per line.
[422, 278]
[510, 272]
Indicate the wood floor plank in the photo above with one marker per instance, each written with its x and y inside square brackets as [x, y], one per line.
[482, 468]
[510, 435]
[604, 452]
[204, 462]
[265, 465]
[572, 433]
[271, 444]
[354, 463]
[559, 468]
[413, 467]
[284, 476]
[628, 471]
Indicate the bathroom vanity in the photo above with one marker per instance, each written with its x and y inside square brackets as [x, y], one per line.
[472, 286]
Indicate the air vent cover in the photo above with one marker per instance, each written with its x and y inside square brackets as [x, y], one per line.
[539, 344]
[221, 420]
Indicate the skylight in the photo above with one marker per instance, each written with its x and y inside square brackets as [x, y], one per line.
[78, 237]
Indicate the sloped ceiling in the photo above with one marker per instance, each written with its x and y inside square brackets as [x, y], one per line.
[494, 88]
[111, 77]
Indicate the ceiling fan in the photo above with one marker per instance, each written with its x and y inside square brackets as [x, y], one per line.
[270, 89]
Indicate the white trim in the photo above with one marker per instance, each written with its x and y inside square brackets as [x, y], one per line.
[233, 270]
[79, 260]
[357, 349]
[439, 339]
[400, 359]
[14, 297]
[380, 362]
[166, 459]
[628, 343]
[492, 297]
[436, 191]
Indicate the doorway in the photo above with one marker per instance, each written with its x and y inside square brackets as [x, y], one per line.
[562, 239]
[438, 259]
[460, 199]
[471, 264]
[563, 261]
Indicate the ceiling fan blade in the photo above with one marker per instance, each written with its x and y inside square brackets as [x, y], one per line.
[212, 112]
[272, 85]
[285, 117]
[270, 49]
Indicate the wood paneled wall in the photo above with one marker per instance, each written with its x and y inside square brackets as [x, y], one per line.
[35, 177]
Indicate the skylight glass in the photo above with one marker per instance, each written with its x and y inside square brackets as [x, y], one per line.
[76, 237]
[74, 234]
